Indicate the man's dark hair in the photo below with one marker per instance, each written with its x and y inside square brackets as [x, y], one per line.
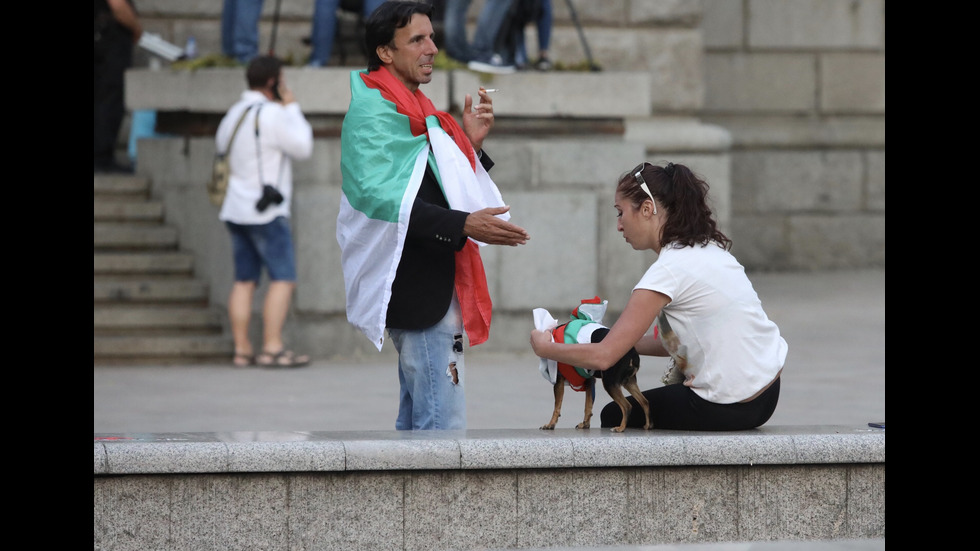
[261, 69]
[379, 29]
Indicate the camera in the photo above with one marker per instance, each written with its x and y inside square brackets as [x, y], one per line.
[270, 196]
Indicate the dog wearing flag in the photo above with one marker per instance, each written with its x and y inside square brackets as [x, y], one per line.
[586, 325]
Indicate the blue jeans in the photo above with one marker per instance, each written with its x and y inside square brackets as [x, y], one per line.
[255, 245]
[543, 25]
[431, 374]
[240, 29]
[325, 28]
[487, 26]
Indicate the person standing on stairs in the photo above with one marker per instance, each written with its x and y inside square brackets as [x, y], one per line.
[325, 27]
[117, 30]
[256, 208]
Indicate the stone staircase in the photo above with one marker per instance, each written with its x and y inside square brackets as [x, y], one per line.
[149, 308]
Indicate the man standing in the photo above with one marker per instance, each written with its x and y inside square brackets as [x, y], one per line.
[272, 131]
[417, 204]
[117, 30]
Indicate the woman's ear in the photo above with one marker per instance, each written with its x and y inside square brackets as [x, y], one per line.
[648, 208]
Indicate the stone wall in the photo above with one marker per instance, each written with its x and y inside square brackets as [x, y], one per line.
[779, 104]
[486, 489]
[799, 84]
[801, 87]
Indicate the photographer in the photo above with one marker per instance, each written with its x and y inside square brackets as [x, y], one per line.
[256, 207]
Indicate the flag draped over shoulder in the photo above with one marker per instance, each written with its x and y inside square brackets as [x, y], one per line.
[387, 138]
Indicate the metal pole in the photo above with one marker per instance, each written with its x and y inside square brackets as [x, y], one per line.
[581, 35]
[275, 25]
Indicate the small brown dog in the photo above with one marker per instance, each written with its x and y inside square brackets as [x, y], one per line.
[621, 375]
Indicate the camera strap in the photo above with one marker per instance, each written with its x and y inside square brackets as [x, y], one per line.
[258, 152]
[234, 132]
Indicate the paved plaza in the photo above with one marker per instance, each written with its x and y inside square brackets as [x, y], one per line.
[834, 323]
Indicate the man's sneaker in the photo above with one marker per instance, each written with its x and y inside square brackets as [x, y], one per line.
[543, 64]
[493, 65]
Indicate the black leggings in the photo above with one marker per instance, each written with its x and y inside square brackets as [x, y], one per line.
[678, 407]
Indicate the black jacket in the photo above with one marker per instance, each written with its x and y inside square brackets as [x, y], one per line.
[424, 282]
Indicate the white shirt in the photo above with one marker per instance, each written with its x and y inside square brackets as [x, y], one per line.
[733, 348]
[284, 134]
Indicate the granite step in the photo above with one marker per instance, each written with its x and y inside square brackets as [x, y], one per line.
[144, 263]
[134, 236]
[162, 349]
[120, 210]
[144, 290]
[154, 317]
[148, 306]
[121, 186]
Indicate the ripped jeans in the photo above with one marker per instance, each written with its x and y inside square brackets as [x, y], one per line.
[431, 374]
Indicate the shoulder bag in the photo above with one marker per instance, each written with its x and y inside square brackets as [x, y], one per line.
[220, 170]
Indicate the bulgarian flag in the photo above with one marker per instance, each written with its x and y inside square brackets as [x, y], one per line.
[388, 136]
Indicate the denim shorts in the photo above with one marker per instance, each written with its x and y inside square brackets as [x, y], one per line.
[269, 245]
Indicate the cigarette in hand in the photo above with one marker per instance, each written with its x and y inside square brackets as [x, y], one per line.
[492, 90]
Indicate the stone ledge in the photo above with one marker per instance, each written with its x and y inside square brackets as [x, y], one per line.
[242, 452]
[801, 132]
[677, 134]
[326, 91]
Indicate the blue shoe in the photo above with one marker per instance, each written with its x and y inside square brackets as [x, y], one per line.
[495, 64]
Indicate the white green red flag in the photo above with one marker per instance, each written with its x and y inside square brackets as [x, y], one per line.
[388, 136]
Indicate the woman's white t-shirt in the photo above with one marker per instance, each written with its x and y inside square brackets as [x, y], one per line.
[733, 348]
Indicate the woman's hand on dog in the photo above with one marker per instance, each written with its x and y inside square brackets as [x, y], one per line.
[540, 340]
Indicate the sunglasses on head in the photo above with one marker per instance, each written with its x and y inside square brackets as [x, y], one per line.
[638, 174]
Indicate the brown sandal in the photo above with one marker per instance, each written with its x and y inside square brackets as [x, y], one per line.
[243, 360]
[283, 358]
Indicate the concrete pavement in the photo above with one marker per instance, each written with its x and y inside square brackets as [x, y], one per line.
[834, 323]
[780, 545]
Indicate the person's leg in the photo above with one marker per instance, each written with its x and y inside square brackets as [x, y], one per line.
[228, 27]
[543, 25]
[274, 311]
[671, 407]
[488, 25]
[431, 375]
[275, 244]
[247, 265]
[680, 408]
[239, 316]
[245, 35]
[369, 7]
[109, 97]
[520, 51]
[324, 31]
[454, 25]
[406, 382]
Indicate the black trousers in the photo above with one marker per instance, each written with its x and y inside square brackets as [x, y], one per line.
[113, 55]
[680, 408]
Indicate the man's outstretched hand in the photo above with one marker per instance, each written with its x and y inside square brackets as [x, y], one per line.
[484, 226]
